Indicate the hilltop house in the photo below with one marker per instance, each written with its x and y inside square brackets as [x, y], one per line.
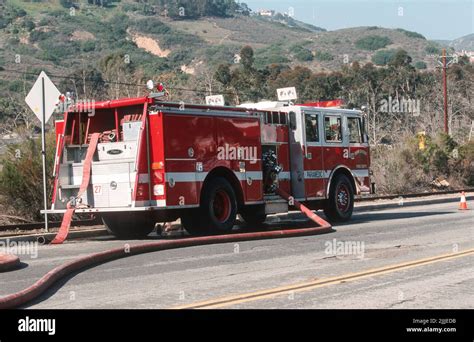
[266, 13]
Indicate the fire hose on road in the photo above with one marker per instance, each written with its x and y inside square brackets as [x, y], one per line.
[39, 287]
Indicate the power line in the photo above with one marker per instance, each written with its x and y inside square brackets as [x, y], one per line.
[202, 91]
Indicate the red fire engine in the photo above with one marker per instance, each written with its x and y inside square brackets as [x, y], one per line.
[156, 161]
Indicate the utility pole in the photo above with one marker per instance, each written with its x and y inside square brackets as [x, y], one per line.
[445, 93]
[445, 64]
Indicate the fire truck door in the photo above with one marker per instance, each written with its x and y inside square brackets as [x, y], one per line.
[358, 160]
[297, 154]
[314, 174]
[336, 149]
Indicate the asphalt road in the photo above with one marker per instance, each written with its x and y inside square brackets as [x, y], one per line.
[371, 241]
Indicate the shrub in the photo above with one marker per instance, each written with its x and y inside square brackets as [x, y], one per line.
[420, 65]
[324, 56]
[88, 46]
[37, 36]
[299, 51]
[304, 55]
[405, 168]
[432, 49]
[383, 57]
[21, 181]
[29, 25]
[56, 51]
[372, 42]
[16, 86]
[153, 26]
[411, 34]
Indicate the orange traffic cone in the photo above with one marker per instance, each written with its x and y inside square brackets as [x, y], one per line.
[463, 203]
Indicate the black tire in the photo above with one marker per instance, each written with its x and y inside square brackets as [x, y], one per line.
[218, 209]
[340, 204]
[253, 215]
[192, 223]
[129, 225]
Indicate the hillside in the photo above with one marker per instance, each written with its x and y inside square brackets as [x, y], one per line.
[465, 43]
[47, 35]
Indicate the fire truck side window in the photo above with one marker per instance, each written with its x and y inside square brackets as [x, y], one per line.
[355, 134]
[312, 129]
[332, 127]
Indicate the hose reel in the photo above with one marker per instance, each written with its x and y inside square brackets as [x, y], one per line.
[271, 169]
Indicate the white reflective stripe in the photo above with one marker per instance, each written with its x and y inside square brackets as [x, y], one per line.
[255, 175]
[101, 179]
[317, 174]
[320, 174]
[361, 173]
[240, 175]
[201, 176]
[119, 178]
[186, 176]
[155, 203]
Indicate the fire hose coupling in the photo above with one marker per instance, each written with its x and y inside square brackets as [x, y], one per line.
[271, 169]
[106, 136]
[76, 203]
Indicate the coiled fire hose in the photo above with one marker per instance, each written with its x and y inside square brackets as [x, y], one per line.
[17, 299]
[72, 204]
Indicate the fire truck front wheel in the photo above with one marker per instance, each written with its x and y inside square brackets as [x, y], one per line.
[340, 204]
[129, 225]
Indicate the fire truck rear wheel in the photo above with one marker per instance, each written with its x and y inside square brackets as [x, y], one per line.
[129, 225]
[340, 204]
[218, 206]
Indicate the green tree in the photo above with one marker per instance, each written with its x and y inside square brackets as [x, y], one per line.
[223, 74]
[247, 57]
[401, 58]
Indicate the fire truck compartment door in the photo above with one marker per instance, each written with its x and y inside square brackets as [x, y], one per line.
[112, 184]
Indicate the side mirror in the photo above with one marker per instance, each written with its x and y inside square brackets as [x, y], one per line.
[292, 116]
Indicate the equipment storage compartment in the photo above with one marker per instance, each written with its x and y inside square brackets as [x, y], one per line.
[117, 150]
[113, 183]
[113, 169]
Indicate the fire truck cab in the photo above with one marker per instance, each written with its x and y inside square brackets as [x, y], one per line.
[158, 161]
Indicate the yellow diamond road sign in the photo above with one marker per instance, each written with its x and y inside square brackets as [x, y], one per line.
[35, 97]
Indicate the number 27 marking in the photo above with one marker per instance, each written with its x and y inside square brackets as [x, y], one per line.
[97, 189]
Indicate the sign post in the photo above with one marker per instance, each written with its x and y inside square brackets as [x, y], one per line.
[42, 100]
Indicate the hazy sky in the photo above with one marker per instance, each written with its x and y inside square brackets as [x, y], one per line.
[435, 19]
